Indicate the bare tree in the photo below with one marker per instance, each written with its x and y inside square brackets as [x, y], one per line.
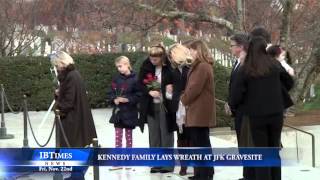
[17, 30]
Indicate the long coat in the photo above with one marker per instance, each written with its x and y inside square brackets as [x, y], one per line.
[126, 86]
[146, 101]
[262, 96]
[199, 96]
[75, 111]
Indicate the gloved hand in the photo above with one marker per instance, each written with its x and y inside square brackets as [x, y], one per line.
[227, 109]
[180, 129]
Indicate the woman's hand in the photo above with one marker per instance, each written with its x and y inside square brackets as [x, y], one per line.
[123, 100]
[119, 100]
[154, 94]
[169, 88]
[116, 101]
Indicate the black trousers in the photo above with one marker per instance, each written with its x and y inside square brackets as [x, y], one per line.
[199, 137]
[266, 132]
[247, 172]
[237, 125]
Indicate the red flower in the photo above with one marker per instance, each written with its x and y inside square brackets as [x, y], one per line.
[149, 75]
[146, 81]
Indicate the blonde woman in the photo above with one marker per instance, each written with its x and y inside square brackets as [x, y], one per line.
[71, 100]
[180, 57]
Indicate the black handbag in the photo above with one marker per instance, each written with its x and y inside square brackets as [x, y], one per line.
[115, 118]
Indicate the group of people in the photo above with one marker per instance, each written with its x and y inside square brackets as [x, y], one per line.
[181, 77]
[174, 91]
[259, 88]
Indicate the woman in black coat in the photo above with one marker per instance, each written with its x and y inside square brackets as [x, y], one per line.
[72, 101]
[257, 92]
[154, 105]
[179, 56]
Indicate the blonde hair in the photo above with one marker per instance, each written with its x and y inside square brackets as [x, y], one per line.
[203, 52]
[61, 59]
[157, 51]
[123, 59]
[179, 55]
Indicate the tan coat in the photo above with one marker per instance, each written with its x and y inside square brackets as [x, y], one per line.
[199, 96]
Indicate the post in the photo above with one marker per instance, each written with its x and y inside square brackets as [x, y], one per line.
[25, 122]
[58, 131]
[57, 175]
[2, 107]
[96, 173]
[3, 129]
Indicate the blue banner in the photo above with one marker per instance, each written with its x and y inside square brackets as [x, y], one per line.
[71, 159]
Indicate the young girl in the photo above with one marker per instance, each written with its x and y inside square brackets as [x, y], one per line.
[125, 95]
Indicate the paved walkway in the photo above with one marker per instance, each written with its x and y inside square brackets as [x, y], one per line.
[105, 132]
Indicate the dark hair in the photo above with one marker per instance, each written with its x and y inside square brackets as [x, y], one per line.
[261, 31]
[258, 63]
[274, 51]
[241, 39]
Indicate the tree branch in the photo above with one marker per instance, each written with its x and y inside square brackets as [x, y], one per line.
[175, 14]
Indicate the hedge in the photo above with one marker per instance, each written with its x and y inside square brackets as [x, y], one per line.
[32, 76]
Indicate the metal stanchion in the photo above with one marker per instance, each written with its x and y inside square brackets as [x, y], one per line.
[3, 129]
[57, 175]
[96, 173]
[25, 122]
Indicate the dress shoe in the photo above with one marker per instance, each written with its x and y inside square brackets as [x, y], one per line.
[165, 171]
[183, 171]
[155, 170]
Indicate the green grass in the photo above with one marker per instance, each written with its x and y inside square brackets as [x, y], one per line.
[315, 102]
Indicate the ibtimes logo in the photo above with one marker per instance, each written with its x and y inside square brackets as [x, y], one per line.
[55, 156]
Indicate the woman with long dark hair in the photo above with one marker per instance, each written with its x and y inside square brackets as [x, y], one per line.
[257, 92]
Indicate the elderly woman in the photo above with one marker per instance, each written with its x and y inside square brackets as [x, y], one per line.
[71, 100]
[73, 104]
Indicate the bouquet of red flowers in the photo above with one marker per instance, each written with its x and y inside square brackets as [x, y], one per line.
[119, 88]
[151, 82]
[153, 85]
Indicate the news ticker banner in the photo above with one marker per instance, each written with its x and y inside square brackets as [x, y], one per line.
[78, 159]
